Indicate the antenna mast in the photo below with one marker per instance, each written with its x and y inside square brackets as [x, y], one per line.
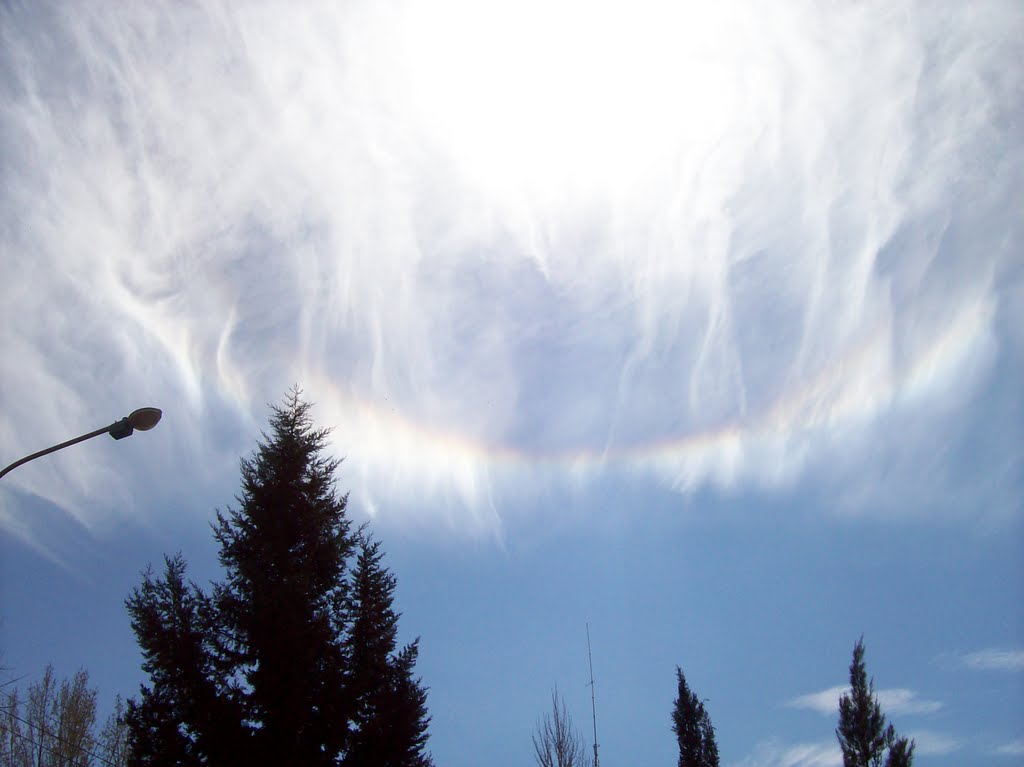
[593, 701]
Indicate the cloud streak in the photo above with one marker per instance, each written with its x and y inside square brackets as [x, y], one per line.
[203, 205]
[775, 754]
[929, 743]
[994, 659]
[893, 701]
[1013, 748]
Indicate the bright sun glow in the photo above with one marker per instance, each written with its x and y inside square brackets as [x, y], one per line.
[549, 99]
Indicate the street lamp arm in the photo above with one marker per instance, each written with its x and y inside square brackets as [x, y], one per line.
[143, 419]
[55, 448]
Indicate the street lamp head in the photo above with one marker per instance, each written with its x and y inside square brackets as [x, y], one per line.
[145, 418]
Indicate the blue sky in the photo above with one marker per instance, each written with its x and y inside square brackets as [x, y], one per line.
[698, 324]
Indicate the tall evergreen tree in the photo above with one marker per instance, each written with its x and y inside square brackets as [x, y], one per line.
[389, 705]
[292, 658]
[709, 748]
[862, 732]
[692, 725]
[283, 605]
[174, 626]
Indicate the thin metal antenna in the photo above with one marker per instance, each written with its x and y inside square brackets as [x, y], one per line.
[593, 701]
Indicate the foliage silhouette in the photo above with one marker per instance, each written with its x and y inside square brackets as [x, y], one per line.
[862, 733]
[692, 725]
[292, 658]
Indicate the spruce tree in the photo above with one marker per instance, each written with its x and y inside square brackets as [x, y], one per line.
[862, 732]
[292, 657]
[283, 606]
[389, 705]
[692, 725]
[172, 621]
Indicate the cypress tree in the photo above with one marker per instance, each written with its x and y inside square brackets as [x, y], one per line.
[692, 725]
[863, 735]
[291, 659]
[709, 748]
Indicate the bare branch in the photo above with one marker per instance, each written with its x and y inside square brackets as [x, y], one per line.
[556, 741]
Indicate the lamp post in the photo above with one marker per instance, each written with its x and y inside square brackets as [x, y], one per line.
[143, 419]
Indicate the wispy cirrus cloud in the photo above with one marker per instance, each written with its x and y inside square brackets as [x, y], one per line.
[994, 659]
[774, 753]
[931, 743]
[563, 274]
[1013, 748]
[893, 701]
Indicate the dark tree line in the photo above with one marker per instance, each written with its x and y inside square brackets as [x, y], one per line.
[291, 659]
[558, 743]
[864, 737]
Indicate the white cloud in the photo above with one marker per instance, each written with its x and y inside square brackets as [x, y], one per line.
[775, 754]
[900, 701]
[1013, 748]
[994, 659]
[893, 701]
[220, 200]
[824, 702]
[928, 743]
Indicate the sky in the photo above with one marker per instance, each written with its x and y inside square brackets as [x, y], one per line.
[701, 324]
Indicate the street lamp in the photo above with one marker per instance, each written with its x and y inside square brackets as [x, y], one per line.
[143, 419]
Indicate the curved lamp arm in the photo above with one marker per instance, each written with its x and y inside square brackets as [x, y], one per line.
[143, 419]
